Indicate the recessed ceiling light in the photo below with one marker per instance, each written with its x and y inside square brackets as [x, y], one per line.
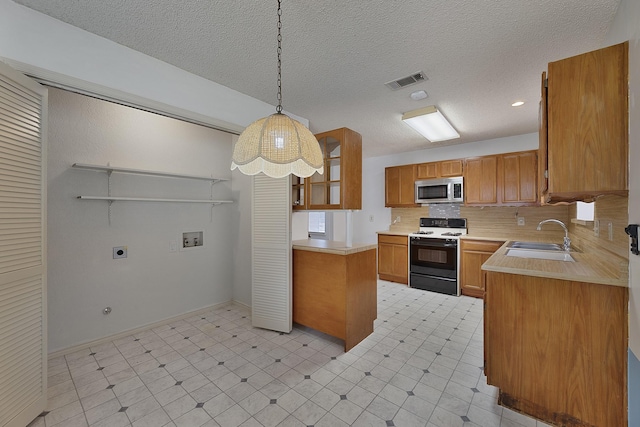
[517, 103]
[418, 95]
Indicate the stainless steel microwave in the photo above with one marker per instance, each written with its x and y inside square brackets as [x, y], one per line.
[443, 190]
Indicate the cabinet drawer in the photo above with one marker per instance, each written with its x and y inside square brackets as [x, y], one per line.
[480, 245]
[396, 240]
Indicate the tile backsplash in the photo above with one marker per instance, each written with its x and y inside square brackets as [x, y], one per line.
[409, 218]
[444, 210]
[502, 222]
[490, 221]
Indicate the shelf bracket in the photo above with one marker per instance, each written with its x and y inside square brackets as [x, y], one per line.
[109, 172]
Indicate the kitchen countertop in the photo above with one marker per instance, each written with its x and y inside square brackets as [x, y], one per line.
[395, 233]
[331, 246]
[590, 268]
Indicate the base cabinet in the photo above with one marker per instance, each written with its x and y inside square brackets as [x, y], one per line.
[393, 258]
[557, 349]
[473, 253]
[336, 294]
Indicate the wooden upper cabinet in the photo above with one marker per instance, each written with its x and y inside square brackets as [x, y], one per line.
[518, 178]
[451, 168]
[509, 179]
[340, 186]
[400, 186]
[587, 125]
[480, 180]
[442, 169]
[428, 170]
[502, 180]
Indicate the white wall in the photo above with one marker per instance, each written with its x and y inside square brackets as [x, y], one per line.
[373, 177]
[47, 48]
[241, 226]
[153, 283]
[626, 26]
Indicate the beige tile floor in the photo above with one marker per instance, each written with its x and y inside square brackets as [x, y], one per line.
[420, 367]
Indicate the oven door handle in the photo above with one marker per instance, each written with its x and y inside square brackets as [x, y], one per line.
[433, 244]
[447, 279]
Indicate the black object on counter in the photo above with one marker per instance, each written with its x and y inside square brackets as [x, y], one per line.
[632, 231]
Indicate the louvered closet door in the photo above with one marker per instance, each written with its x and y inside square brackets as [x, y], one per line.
[23, 349]
[271, 297]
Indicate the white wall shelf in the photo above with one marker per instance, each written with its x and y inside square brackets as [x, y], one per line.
[110, 169]
[148, 199]
[113, 169]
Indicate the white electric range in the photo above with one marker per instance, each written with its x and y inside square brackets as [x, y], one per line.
[434, 253]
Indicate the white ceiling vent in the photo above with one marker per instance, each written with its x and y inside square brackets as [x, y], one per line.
[406, 81]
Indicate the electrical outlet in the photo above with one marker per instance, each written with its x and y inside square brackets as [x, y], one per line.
[521, 221]
[596, 228]
[370, 218]
[119, 252]
[173, 246]
[398, 219]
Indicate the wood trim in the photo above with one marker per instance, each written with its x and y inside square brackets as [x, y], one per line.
[543, 160]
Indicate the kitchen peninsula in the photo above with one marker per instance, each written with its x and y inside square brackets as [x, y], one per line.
[335, 288]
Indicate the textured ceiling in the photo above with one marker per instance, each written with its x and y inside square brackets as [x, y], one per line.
[479, 56]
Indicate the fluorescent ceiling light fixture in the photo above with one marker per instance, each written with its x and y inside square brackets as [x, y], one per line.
[517, 103]
[431, 124]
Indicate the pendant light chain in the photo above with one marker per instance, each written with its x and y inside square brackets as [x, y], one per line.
[277, 145]
[279, 107]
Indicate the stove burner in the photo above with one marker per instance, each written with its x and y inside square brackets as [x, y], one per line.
[451, 233]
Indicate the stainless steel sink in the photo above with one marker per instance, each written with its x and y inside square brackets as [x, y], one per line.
[535, 246]
[554, 255]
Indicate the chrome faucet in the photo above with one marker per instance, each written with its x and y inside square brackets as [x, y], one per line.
[566, 244]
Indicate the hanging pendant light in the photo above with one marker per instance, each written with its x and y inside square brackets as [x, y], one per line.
[277, 145]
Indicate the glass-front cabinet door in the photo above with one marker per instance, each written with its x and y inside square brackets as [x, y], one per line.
[297, 192]
[340, 186]
[325, 188]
